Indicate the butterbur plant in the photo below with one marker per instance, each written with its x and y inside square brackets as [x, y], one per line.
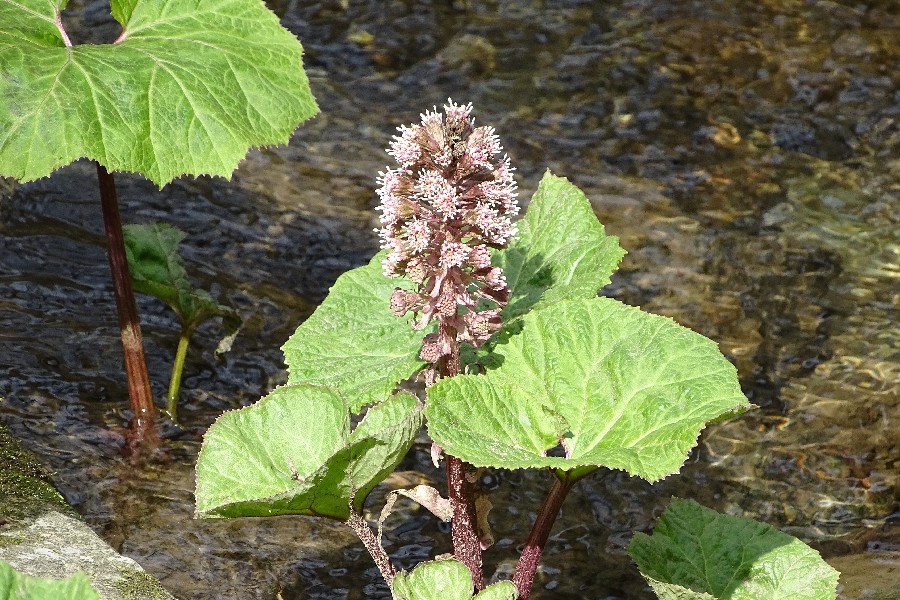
[525, 367]
[445, 208]
[19, 586]
[185, 88]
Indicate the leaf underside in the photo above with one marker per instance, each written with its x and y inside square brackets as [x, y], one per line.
[696, 553]
[188, 90]
[158, 270]
[595, 381]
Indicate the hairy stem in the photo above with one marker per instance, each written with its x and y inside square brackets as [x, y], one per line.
[523, 578]
[177, 368]
[358, 524]
[143, 429]
[461, 492]
[466, 545]
[62, 31]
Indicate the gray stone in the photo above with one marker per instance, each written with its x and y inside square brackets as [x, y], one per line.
[41, 536]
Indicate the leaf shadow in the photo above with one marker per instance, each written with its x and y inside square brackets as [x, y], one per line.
[535, 277]
[525, 293]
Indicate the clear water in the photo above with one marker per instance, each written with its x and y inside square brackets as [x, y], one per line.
[746, 153]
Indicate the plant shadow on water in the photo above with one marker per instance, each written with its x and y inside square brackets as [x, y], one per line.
[752, 180]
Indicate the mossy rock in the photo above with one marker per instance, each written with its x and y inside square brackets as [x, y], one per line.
[42, 536]
[25, 487]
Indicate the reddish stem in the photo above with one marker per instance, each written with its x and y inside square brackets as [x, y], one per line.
[461, 487]
[466, 545]
[143, 431]
[62, 31]
[523, 578]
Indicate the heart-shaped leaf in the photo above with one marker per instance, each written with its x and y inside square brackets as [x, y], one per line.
[18, 586]
[293, 453]
[561, 253]
[353, 342]
[603, 383]
[446, 580]
[696, 553]
[188, 87]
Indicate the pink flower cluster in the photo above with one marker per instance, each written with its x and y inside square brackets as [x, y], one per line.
[451, 200]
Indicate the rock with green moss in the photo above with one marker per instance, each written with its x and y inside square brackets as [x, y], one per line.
[41, 536]
[25, 488]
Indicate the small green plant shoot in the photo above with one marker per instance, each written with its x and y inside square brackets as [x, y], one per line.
[186, 88]
[158, 270]
[524, 366]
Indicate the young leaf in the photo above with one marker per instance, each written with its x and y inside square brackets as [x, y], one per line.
[158, 270]
[697, 553]
[293, 453]
[18, 586]
[605, 383]
[446, 580]
[188, 87]
[561, 252]
[353, 342]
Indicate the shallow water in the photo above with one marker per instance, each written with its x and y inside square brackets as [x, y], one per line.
[746, 153]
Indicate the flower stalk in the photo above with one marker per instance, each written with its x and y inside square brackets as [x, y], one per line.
[447, 205]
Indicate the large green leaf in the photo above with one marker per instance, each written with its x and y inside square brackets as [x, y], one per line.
[561, 252]
[293, 453]
[698, 554]
[446, 580]
[157, 269]
[353, 342]
[188, 87]
[604, 383]
[18, 586]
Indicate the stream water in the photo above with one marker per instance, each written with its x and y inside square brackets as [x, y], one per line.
[747, 153]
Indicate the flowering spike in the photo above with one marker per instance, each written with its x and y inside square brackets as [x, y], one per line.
[450, 200]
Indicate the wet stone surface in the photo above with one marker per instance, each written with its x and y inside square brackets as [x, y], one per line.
[746, 153]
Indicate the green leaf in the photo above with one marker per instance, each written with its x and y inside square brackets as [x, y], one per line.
[293, 453]
[605, 383]
[445, 580]
[188, 87]
[158, 270]
[18, 586]
[502, 590]
[667, 592]
[697, 553]
[353, 342]
[561, 252]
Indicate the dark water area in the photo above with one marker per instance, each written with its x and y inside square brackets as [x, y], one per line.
[746, 153]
